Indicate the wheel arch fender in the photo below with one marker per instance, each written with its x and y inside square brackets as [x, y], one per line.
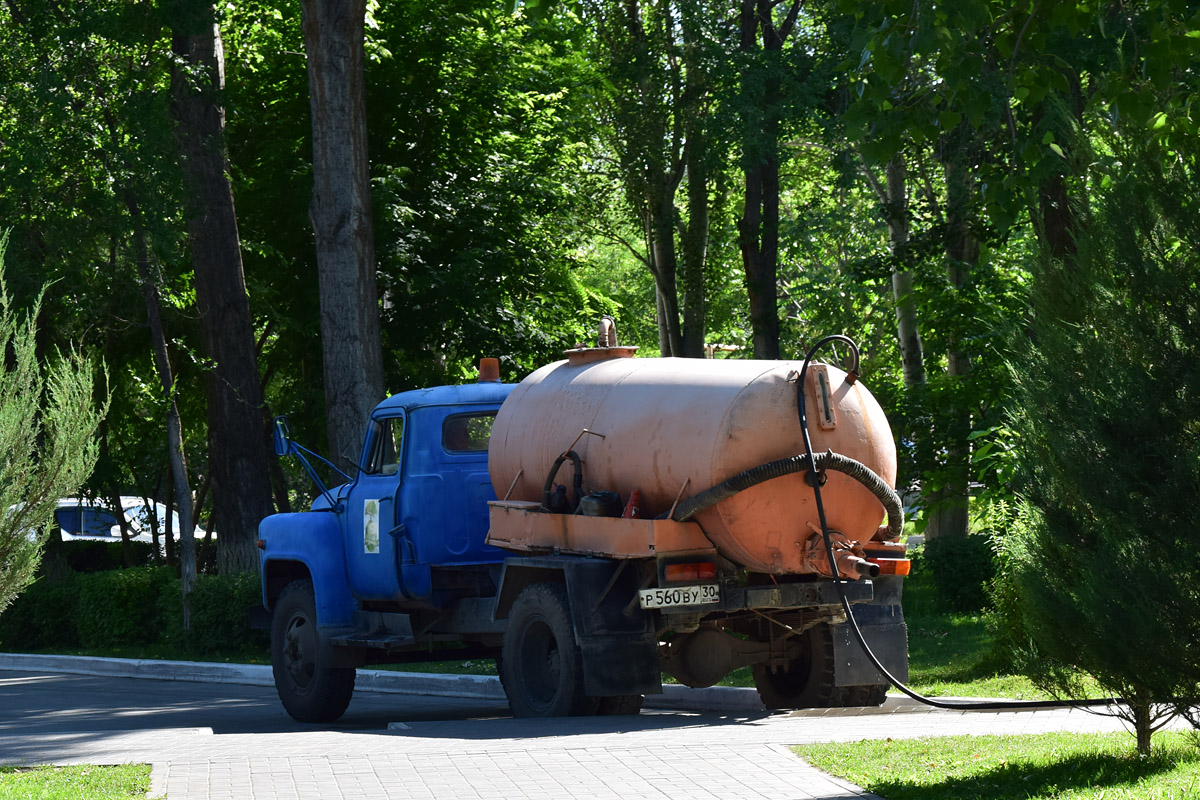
[307, 545]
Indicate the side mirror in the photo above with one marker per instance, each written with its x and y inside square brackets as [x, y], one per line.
[282, 437]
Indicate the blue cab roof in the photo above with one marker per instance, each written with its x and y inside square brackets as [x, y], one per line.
[466, 394]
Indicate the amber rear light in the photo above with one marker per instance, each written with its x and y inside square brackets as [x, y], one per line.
[699, 571]
[892, 566]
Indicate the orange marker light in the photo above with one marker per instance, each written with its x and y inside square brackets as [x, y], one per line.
[701, 571]
[892, 566]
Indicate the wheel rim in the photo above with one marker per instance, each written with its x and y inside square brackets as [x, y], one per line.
[299, 647]
[541, 664]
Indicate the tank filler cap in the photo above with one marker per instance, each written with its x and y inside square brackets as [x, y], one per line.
[590, 355]
[606, 346]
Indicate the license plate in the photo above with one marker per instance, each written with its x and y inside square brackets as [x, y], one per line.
[680, 596]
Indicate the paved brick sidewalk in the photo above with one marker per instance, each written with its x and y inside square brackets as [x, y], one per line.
[666, 755]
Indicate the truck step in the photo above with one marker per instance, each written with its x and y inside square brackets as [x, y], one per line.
[377, 630]
[375, 642]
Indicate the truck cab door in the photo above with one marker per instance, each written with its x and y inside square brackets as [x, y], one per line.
[370, 533]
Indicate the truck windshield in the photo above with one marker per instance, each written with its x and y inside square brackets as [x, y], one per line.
[385, 447]
[467, 433]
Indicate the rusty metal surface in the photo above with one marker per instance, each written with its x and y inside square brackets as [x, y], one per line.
[515, 526]
[666, 422]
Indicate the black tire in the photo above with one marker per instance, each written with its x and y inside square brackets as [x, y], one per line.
[807, 682]
[541, 667]
[310, 689]
[867, 695]
[621, 705]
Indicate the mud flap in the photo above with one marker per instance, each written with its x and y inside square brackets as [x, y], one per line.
[618, 664]
[888, 641]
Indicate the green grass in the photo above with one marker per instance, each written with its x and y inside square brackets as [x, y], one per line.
[1059, 766]
[85, 782]
[952, 655]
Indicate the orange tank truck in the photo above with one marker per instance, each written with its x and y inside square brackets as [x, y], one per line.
[687, 477]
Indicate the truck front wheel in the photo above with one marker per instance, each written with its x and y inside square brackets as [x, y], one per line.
[310, 689]
[807, 680]
[541, 667]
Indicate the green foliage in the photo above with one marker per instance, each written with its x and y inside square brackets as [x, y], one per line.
[90, 556]
[134, 607]
[118, 607]
[962, 568]
[1101, 567]
[219, 606]
[47, 418]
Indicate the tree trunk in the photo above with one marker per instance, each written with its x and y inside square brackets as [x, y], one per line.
[237, 449]
[695, 250]
[662, 233]
[1142, 727]
[694, 239]
[175, 454]
[912, 355]
[950, 515]
[341, 219]
[758, 228]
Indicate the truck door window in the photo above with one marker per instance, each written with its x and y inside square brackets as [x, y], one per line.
[467, 433]
[385, 448]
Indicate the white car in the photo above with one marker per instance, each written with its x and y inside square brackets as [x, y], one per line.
[81, 519]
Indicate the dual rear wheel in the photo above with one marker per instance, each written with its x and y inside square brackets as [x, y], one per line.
[808, 680]
[541, 665]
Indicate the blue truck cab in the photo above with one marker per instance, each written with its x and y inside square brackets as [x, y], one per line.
[392, 565]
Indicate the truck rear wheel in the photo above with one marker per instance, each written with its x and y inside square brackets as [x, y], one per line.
[621, 705]
[541, 667]
[805, 682]
[869, 694]
[310, 689]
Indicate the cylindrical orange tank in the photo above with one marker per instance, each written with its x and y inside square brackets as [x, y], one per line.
[667, 421]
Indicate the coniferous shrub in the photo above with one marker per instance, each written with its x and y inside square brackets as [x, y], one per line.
[1102, 566]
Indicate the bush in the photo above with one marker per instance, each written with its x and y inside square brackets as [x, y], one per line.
[962, 568]
[42, 617]
[90, 556]
[119, 607]
[220, 614]
[130, 608]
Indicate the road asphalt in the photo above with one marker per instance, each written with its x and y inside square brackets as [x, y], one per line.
[450, 738]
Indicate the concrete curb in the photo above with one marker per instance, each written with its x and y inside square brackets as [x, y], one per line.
[478, 687]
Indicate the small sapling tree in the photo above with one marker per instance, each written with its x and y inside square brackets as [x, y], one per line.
[47, 417]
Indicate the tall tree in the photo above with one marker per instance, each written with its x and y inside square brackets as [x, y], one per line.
[237, 444]
[642, 64]
[764, 30]
[341, 219]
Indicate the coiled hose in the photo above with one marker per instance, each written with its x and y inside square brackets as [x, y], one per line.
[799, 463]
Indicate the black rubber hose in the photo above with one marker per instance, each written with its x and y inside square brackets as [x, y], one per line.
[788, 466]
[960, 705]
[577, 484]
